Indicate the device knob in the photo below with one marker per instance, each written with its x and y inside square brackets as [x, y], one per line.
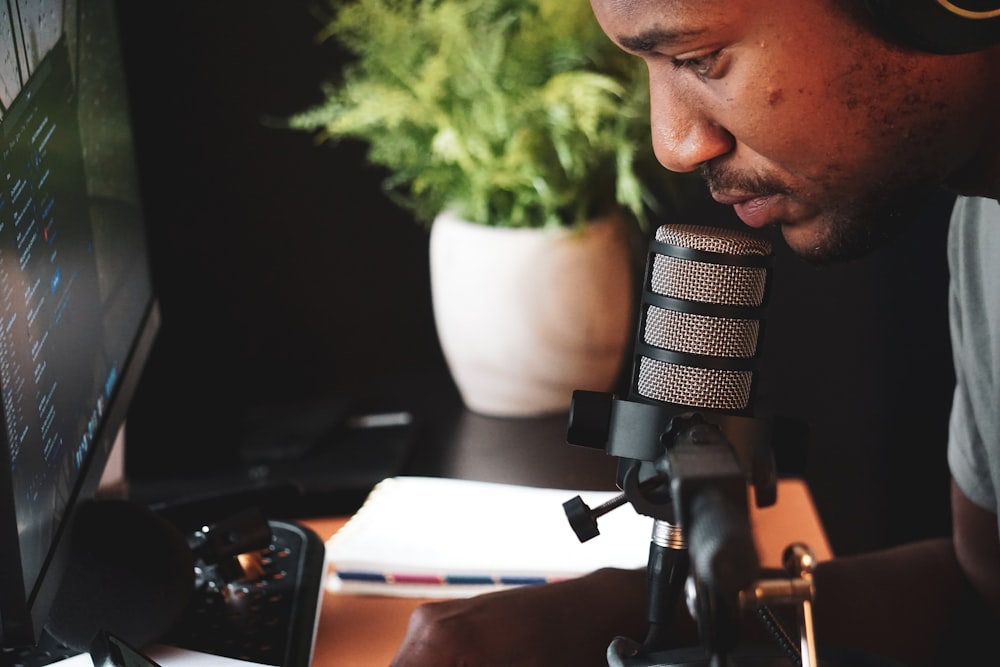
[583, 520]
[589, 419]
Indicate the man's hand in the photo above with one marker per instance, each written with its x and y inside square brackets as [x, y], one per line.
[565, 623]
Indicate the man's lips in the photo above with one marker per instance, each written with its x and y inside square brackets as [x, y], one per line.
[754, 210]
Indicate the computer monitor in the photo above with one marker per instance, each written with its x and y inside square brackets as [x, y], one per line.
[77, 309]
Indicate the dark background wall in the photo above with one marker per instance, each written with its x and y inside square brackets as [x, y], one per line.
[286, 277]
[283, 273]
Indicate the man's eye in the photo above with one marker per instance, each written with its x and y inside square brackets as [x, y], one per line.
[702, 65]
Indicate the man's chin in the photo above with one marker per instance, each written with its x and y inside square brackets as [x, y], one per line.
[842, 240]
[807, 244]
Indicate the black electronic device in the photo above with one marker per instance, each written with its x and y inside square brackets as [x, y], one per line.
[77, 310]
[110, 650]
[256, 598]
[78, 318]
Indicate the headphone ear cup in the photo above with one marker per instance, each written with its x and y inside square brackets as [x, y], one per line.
[940, 26]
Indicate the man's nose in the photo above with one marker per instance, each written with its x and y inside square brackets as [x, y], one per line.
[684, 134]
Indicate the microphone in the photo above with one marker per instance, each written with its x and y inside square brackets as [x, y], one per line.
[696, 347]
[700, 328]
[685, 435]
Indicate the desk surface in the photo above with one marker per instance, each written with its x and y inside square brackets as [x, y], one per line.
[366, 630]
[358, 630]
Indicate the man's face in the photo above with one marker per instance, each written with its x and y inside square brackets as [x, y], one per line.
[800, 116]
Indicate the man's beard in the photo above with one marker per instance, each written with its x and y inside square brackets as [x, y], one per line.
[865, 225]
[854, 226]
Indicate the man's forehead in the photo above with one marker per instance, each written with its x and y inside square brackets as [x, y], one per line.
[670, 9]
[669, 19]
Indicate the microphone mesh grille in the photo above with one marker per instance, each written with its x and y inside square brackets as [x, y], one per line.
[705, 282]
[708, 283]
[701, 334]
[715, 239]
[692, 386]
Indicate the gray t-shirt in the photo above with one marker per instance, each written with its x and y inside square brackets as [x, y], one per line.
[974, 303]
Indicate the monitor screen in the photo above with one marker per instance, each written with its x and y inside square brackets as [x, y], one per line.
[77, 310]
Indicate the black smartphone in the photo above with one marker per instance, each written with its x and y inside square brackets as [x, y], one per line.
[109, 650]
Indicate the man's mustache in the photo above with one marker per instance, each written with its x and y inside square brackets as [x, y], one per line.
[720, 179]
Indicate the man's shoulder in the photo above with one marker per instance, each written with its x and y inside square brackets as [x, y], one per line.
[975, 209]
[974, 229]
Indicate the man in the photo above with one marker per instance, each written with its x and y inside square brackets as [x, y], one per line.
[810, 117]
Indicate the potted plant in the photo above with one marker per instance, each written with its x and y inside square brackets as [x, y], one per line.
[509, 118]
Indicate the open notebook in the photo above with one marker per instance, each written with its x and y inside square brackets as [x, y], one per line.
[437, 537]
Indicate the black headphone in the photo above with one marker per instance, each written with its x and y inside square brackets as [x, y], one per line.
[940, 26]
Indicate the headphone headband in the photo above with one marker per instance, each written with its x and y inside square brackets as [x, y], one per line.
[940, 26]
[976, 14]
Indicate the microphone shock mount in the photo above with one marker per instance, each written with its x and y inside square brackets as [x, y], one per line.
[692, 479]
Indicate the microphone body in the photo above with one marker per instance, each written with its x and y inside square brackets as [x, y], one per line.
[685, 435]
[703, 299]
[696, 349]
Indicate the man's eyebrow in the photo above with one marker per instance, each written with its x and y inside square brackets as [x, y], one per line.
[651, 39]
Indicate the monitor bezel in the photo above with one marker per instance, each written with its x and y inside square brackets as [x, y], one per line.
[23, 616]
[30, 581]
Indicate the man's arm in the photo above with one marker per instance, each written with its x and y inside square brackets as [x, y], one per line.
[911, 603]
[565, 623]
[915, 602]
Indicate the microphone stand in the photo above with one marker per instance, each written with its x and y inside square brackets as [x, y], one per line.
[689, 472]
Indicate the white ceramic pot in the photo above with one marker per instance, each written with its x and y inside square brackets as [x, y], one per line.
[526, 316]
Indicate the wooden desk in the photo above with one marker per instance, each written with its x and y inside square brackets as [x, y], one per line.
[365, 631]
[358, 630]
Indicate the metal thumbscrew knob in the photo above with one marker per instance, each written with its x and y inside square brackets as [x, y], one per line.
[583, 520]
